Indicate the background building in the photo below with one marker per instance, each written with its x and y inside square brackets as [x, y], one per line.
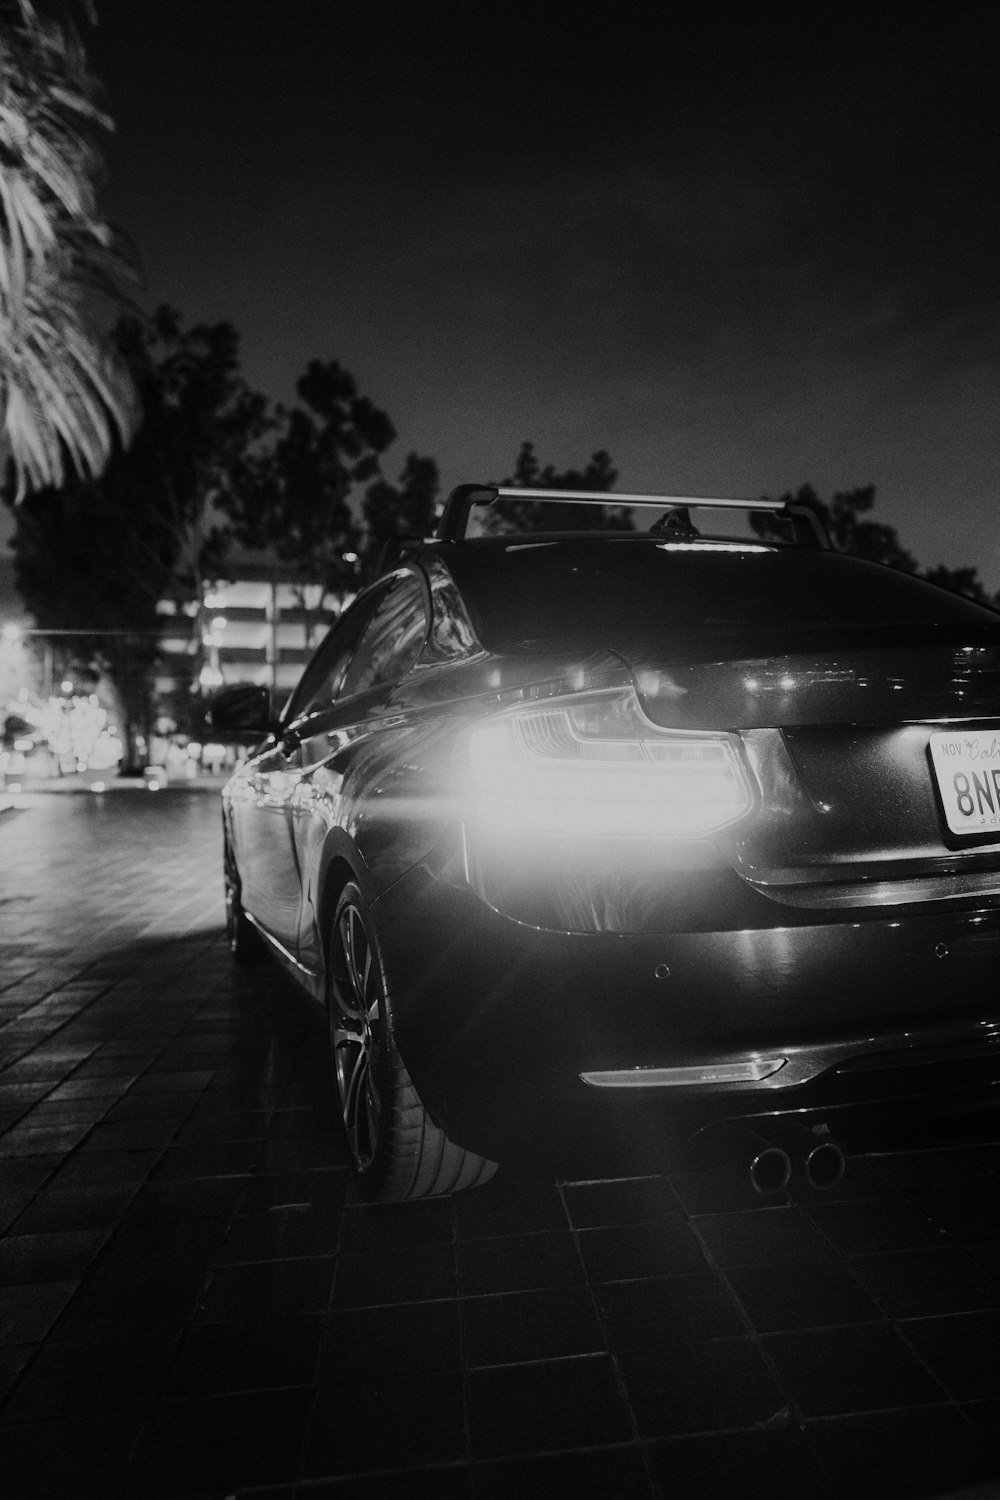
[259, 626]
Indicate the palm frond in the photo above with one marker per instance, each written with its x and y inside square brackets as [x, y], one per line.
[63, 391]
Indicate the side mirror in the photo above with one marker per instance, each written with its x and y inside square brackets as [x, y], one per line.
[242, 712]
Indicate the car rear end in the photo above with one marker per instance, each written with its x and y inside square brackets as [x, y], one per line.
[745, 868]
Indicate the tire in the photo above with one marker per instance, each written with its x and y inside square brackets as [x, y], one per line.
[245, 944]
[396, 1149]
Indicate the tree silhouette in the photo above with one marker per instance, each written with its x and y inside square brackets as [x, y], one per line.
[392, 511]
[845, 517]
[295, 503]
[95, 557]
[598, 473]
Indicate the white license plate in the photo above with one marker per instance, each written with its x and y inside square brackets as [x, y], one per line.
[967, 767]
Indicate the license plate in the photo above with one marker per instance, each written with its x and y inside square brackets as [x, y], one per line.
[967, 766]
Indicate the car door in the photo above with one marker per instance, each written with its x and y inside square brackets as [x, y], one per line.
[345, 729]
[263, 792]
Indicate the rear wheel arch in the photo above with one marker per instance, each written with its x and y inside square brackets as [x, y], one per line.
[337, 873]
[397, 1150]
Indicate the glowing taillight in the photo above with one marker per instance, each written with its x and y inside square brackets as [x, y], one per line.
[596, 765]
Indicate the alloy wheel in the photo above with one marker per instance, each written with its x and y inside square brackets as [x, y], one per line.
[356, 1019]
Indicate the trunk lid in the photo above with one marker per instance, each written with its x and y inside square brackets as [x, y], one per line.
[837, 726]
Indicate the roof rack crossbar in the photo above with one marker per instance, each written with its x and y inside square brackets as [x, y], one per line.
[455, 515]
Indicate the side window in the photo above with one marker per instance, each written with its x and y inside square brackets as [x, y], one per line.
[392, 640]
[323, 678]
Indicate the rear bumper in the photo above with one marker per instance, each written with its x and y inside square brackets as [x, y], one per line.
[498, 1022]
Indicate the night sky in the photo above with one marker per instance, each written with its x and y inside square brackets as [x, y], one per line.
[739, 252]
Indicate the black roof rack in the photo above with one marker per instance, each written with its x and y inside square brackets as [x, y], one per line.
[807, 528]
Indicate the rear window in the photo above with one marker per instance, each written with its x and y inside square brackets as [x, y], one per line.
[593, 594]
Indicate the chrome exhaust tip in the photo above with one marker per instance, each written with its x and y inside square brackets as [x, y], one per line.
[770, 1170]
[824, 1165]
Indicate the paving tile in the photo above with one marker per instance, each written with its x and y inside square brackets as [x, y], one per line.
[376, 1226]
[772, 1465]
[110, 1309]
[920, 1172]
[619, 1253]
[303, 1120]
[519, 1263]
[510, 1205]
[668, 1310]
[131, 1135]
[64, 1256]
[520, 1327]
[618, 1473]
[18, 1094]
[214, 1446]
[172, 1202]
[721, 1190]
[280, 1288]
[105, 1067]
[238, 1125]
[410, 1273]
[281, 1234]
[146, 1251]
[530, 1408]
[984, 1416]
[13, 1359]
[101, 1168]
[94, 1088]
[357, 1428]
[867, 1227]
[46, 1140]
[987, 1256]
[80, 1208]
[65, 1112]
[35, 1067]
[64, 1458]
[12, 1206]
[961, 1351]
[175, 1106]
[919, 1283]
[418, 1337]
[755, 1239]
[20, 1173]
[92, 1381]
[168, 1083]
[218, 1159]
[908, 1454]
[627, 1200]
[444, 1482]
[315, 1189]
[964, 1214]
[28, 1312]
[706, 1387]
[307, 1151]
[220, 1358]
[834, 1371]
[816, 1295]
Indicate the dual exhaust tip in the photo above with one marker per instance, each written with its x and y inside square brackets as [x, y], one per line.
[821, 1163]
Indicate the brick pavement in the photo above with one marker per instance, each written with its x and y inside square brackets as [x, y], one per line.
[192, 1304]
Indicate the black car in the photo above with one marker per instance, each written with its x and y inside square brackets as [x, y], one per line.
[599, 841]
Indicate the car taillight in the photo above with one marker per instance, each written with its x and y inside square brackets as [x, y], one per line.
[594, 764]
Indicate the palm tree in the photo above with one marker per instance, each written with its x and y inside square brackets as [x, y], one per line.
[64, 394]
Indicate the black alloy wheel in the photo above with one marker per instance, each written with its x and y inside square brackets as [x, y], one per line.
[397, 1150]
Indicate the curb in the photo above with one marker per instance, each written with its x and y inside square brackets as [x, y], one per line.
[67, 787]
